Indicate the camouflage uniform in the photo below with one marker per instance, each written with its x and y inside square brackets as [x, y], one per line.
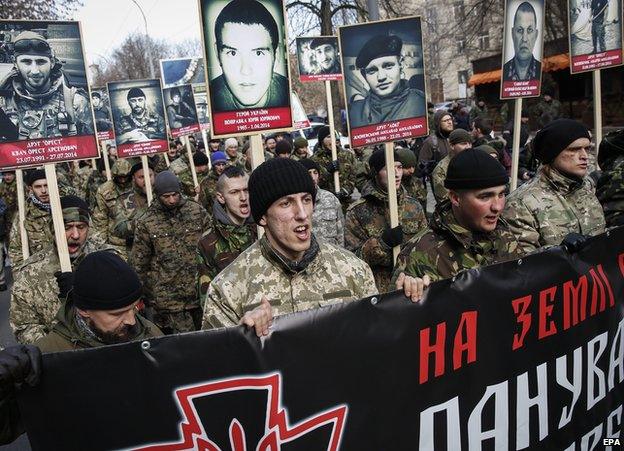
[163, 254]
[362, 170]
[34, 297]
[447, 248]
[159, 162]
[64, 181]
[346, 161]
[207, 190]
[103, 219]
[369, 217]
[8, 193]
[152, 125]
[328, 219]
[543, 211]
[128, 206]
[237, 160]
[81, 177]
[546, 112]
[610, 191]
[219, 246]
[96, 179]
[437, 178]
[331, 276]
[38, 225]
[415, 188]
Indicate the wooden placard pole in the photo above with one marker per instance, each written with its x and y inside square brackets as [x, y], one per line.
[93, 164]
[21, 212]
[597, 111]
[57, 218]
[167, 159]
[206, 148]
[515, 152]
[257, 158]
[332, 133]
[109, 177]
[189, 152]
[148, 181]
[392, 194]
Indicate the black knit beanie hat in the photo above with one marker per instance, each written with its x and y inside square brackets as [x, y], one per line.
[200, 159]
[166, 182]
[377, 160]
[103, 281]
[309, 163]
[556, 136]
[33, 176]
[276, 178]
[611, 147]
[322, 134]
[474, 169]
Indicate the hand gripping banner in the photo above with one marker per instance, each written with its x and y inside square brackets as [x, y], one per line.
[527, 354]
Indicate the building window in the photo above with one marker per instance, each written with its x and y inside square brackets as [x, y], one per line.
[458, 11]
[484, 41]
[461, 46]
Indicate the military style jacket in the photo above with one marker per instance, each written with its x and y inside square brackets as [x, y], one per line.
[346, 170]
[68, 335]
[328, 219]
[437, 178]
[447, 248]
[163, 254]
[96, 179]
[128, 206]
[610, 191]
[362, 170]
[366, 221]
[543, 211]
[415, 188]
[103, 218]
[151, 125]
[34, 297]
[8, 193]
[330, 275]
[219, 246]
[207, 190]
[38, 225]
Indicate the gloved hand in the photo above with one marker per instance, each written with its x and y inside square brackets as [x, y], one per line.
[392, 237]
[332, 166]
[574, 242]
[129, 240]
[18, 365]
[65, 282]
[343, 195]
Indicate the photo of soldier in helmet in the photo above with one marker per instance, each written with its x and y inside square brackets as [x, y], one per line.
[36, 96]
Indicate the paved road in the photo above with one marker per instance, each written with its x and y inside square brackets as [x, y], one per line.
[6, 339]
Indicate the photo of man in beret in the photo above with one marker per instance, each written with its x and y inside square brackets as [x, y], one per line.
[390, 95]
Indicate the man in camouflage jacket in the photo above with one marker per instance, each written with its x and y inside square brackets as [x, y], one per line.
[465, 230]
[327, 220]
[163, 254]
[35, 293]
[208, 186]
[37, 221]
[232, 230]
[610, 188]
[106, 198]
[362, 171]
[459, 140]
[560, 199]
[412, 184]
[367, 230]
[345, 166]
[287, 270]
[8, 193]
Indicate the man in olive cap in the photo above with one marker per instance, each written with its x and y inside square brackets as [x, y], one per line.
[141, 124]
[466, 230]
[460, 140]
[35, 94]
[390, 97]
[560, 199]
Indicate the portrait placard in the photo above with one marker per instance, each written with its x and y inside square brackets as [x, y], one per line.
[102, 114]
[523, 39]
[180, 109]
[45, 105]
[138, 117]
[201, 106]
[319, 58]
[595, 34]
[246, 66]
[384, 80]
[182, 71]
[300, 119]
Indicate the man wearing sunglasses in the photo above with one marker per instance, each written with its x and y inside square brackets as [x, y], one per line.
[560, 199]
[36, 96]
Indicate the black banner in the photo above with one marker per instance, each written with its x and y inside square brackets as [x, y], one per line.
[523, 355]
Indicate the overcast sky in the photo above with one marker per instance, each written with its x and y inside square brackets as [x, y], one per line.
[106, 23]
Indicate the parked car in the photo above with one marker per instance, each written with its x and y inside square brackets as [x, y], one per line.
[311, 135]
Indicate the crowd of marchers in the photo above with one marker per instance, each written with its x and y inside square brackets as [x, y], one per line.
[245, 246]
